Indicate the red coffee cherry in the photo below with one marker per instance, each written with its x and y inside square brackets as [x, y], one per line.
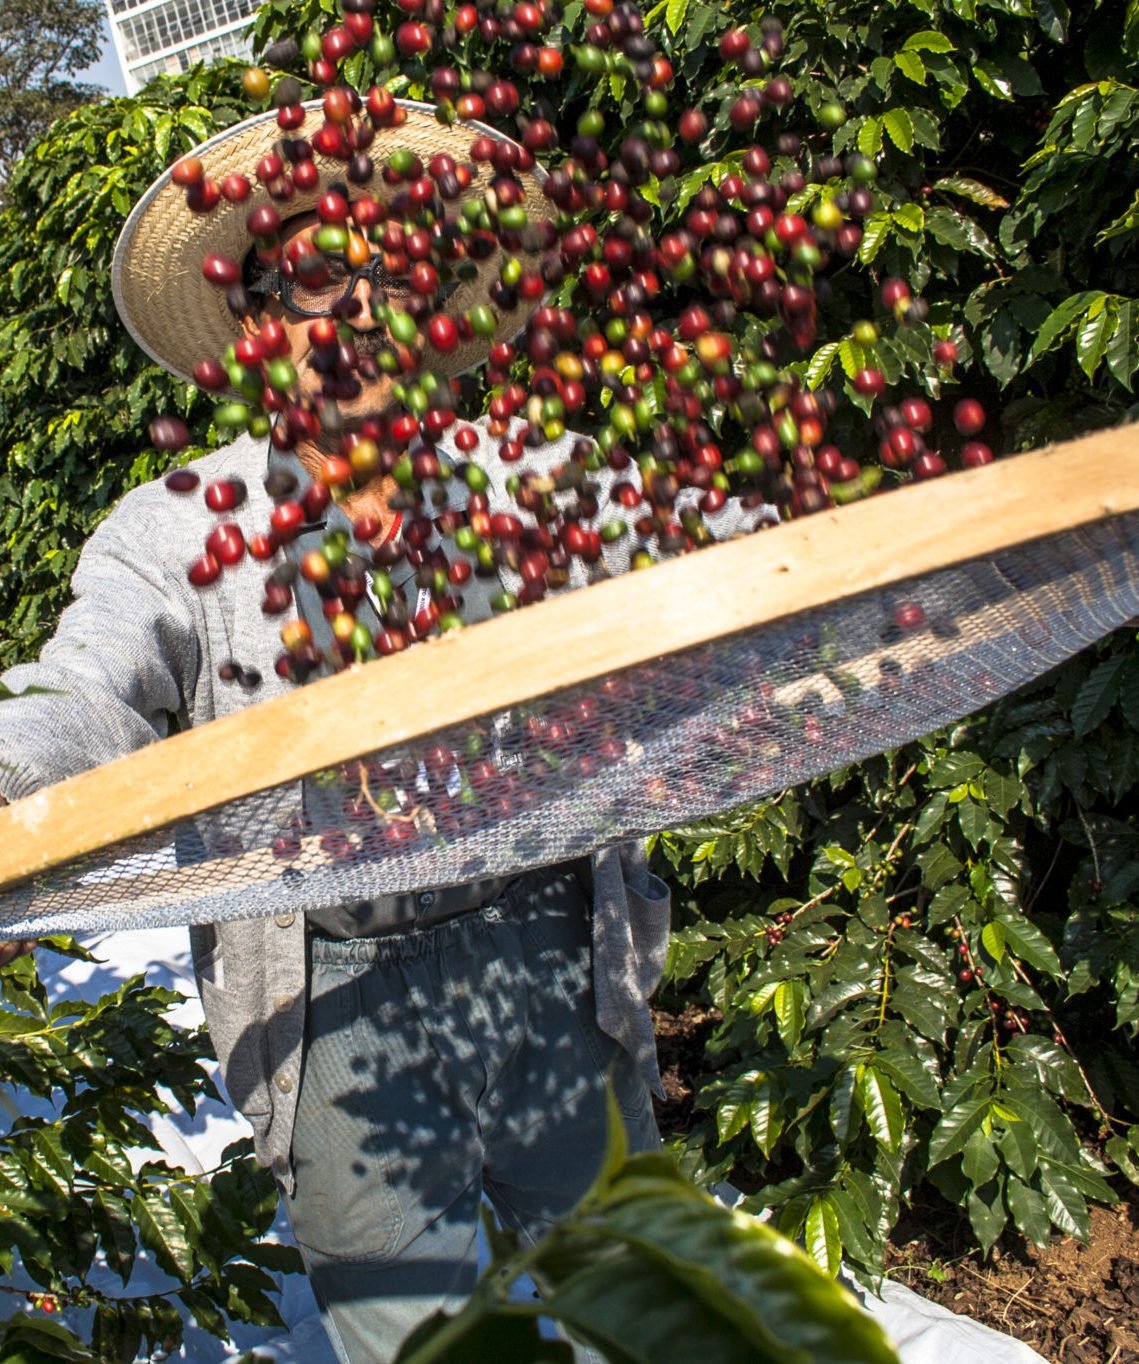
[969, 416]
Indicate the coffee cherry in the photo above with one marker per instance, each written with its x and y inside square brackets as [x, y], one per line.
[287, 518]
[255, 83]
[227, 544]
[169, 433]
[204, 571]
[224, 494]
[221, 270]
[188, 171]
[261, 546]
[969, 416]
[210, 375]
[945, 354]
[917, 414]
[870, 382]
[895, 291]
[442, 332]
[975, 454]
[235, 189]
[182, 481]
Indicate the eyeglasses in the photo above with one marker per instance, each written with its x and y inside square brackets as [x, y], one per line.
[321, 299]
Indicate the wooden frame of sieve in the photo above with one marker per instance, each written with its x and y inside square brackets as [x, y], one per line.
[633, 619]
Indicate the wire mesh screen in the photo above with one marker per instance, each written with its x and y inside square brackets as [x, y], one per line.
[685, 736]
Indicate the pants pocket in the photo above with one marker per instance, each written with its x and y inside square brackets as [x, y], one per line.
[344, 1207]
[557, 926]
[650, 914]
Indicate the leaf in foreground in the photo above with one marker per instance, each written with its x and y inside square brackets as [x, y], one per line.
[649, 1270]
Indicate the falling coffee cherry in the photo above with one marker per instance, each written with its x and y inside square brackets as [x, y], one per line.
[224, 494]
[203, 571]
[182, 481]
[969, 416]
[169, 433]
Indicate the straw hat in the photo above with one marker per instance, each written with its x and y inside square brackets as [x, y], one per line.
[179, 318]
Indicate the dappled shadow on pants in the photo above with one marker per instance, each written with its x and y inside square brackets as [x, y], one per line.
[439, 1065]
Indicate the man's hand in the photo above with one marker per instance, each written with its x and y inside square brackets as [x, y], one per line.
[9, 951]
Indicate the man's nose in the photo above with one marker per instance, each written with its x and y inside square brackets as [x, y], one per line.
[363, 321]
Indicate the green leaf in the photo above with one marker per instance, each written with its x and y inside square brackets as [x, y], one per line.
[938, 866]
[959, 231]
[928, 40]
[675, 14]
[821, 1234]
[162, 1232]
[1029, 1212]
[789, 1011]
[683, 1278]
[36, 1340]
[924, 1008]
[900, 126]
[116, 1236]
[1092, 339]
[979, 1158]
[1030, 944]
[1054, 19]
[1097, 695]
[1018, 1146]
[911, 217]
[1122, 354]
[874, 233]
[965, 187]
[956, 1127]
[911, 66]
[1124, 1155]
[882, 1107]
[993, 80]
[1061, 319]
[870, 137]
[733, 1110]
[1051, 1065]
[987, 1214]
[821, 364]
[852, 356]
[483, 1338]
[764, 1119]
[841, 1109]
[911, 1077]
[1065, 1204]
[993, 939]
[949, 901]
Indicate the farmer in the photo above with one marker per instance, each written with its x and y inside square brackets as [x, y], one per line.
[401, 1057]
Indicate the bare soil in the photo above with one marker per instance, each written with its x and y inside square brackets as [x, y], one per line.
[1072, 1303]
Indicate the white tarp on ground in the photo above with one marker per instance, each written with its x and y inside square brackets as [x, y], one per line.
[923, 1332]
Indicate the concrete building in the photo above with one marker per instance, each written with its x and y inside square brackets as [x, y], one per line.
[155, 37]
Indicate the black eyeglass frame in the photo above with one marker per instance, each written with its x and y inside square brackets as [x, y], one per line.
[273, 281]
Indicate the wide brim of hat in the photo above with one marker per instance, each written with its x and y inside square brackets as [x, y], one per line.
[179, 318]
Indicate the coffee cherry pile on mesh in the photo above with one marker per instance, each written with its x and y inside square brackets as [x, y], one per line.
[679, 347]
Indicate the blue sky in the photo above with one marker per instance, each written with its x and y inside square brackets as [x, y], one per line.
[106, 72]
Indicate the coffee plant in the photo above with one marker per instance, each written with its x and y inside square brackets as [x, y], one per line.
[927, 968]
[927, 974]
[84, 1190]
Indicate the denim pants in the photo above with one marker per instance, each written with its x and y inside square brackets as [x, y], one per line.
[442, 1064]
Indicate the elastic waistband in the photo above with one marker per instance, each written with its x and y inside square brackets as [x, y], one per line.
[433, 937]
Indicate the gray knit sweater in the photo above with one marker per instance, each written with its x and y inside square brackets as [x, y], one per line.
[139, 644]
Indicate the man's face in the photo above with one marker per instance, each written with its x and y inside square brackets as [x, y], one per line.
[369, 337]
